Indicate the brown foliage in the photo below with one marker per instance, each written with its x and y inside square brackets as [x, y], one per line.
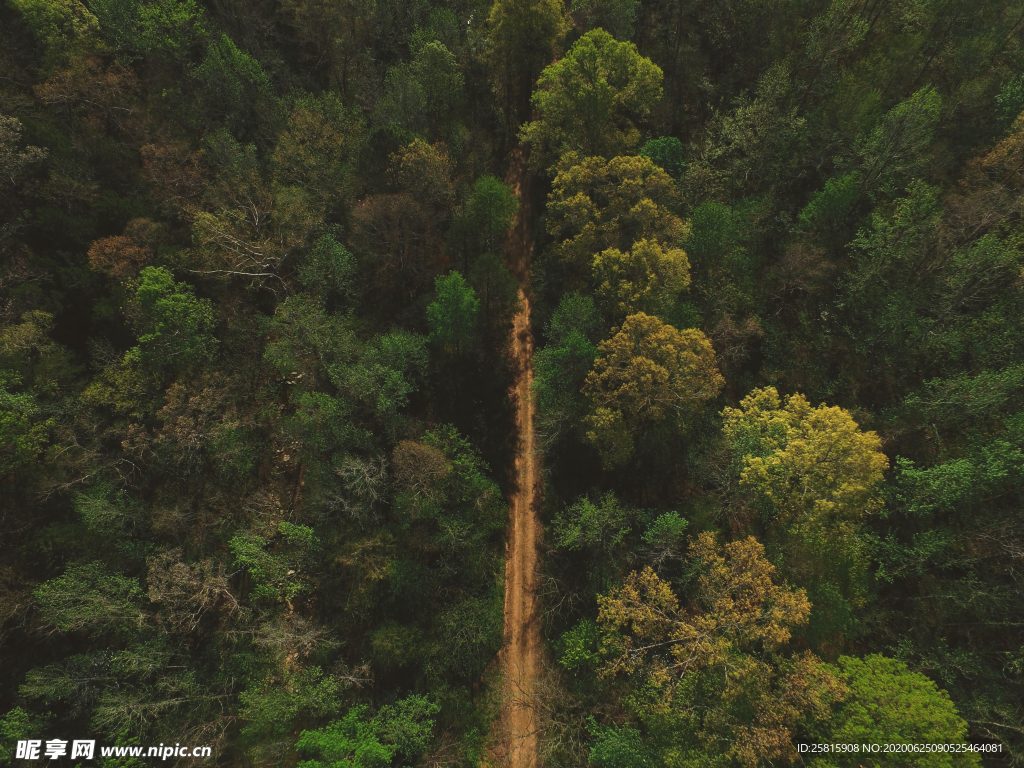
[416, 465]
[731, 636]
[186, 592]
[175, 172]
[425, 171]
[123, 256]
[738, 603]
[399, 236]
[101, 93]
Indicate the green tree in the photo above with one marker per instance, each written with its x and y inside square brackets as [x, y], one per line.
[889, 704]
[666, 153]
[590, 100]
[522, 40]
[483, 220]
[755, 148]
[440, 78]
[88, 599]
[273, 705]
[404, 102]
[24, 432]
[490, 210]
[894, 153]
[175, 328]
[328, 271]
[814, 476]
[598, 528]
[60, 25]
[176, 31]
[15, 726]
[814, 466]
[452, 316]
[236, 90]
[563, 364]
[621, 747]
[358, 741]
[497, 290]
[390, 369]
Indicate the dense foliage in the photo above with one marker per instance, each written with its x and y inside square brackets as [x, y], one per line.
[255, 421]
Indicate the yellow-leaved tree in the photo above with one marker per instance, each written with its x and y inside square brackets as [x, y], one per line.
[596, 204]
[647, 374]
[812, 475]
[716, 674]
[812, 467]
[647, 278]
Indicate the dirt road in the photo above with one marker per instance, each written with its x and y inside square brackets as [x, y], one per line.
[520, 657]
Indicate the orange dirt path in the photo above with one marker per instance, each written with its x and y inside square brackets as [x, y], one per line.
[520, 656]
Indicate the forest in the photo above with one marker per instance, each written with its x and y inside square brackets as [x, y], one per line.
[374, 370]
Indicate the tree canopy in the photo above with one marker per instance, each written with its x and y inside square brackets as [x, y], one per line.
[590, 100]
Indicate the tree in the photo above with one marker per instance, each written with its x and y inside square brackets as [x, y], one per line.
[754, 148]
[813, 476]
[425, 171]
[316, 149]
[60, 25]
[490, 211]
[14, 161]
[88, 599]
[597, 204]
[328, 272]
[647, 278]
[666, 153]
[562, 366]
[718, 669]
[598, 528]
[812, 466]
[440, 78]
[523, 36]
[647, 373]
[309, 345]
[452, 316]
[186, 592]
[497, 289]
[123, 256]
[23, 434]
[663, 539]
[330, 34]
[176, 31]
[175, 328]
[888, 703]
[590, 100]
[358, 741]
[390, 369]
[894, 152]
[236, 92]
[403, 102]
[618, 17]
[248, 228]
[400, 233]
[621, 747]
